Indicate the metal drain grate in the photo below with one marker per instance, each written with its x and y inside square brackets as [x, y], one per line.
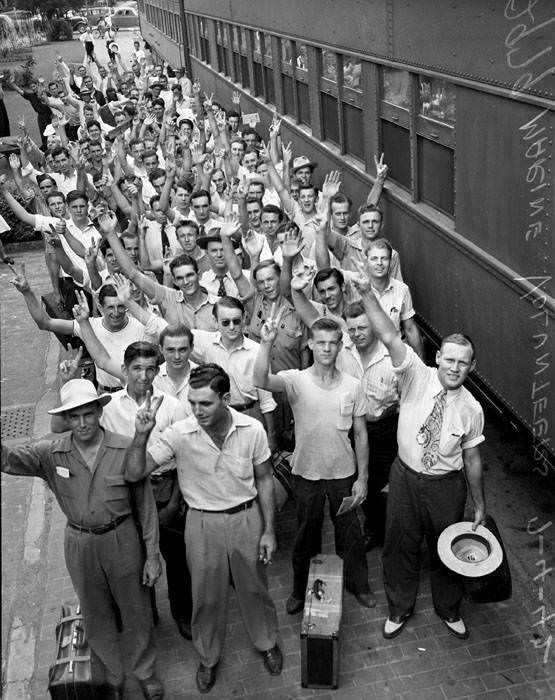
[17, 422]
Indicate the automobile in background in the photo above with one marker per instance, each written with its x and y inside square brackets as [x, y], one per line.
[125, 17]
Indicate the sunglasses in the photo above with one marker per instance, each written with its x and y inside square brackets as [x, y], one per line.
[228, 321]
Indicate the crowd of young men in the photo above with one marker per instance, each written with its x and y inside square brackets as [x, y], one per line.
[227, 301]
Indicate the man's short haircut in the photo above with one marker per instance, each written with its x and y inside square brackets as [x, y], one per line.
[325, 273]
[238, 139]
[178, 330]
[248, 131]
[459, 339]
[253, 200]
[325, 324]
[380, 243]
[184, 120]
[155, 198]
[308, 187]
[227, 303]
[188, 223]
[149, 153]
[156, 173]
[43, 176]
[200, 193]
[210, 375]
[354, 309]
[273, 209]
[159, 100]
[54, 193]
[256, 181]
[141, 349]
[366, 208]
[181, 260]
[288, 226]
[340, 198]
[60, 150]
[76, 194]
[263, 265]
[233, 113]
[104, 247]
[92, 122]
[184, 184]
[107, 290]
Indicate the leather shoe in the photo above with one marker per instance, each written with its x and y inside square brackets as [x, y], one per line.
[393, 626]
[294, 605]
[367, 600]
[153, 688]
[456, 627]
[206, 677]
[273, 660]
[184, 628]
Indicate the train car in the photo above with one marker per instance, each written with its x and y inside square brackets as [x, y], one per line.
[459, 97]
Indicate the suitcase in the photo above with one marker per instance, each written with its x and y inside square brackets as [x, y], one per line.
[321, 621]
[75, 674]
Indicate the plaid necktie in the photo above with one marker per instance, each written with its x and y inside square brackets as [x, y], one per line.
[221, 288]
[429, 434]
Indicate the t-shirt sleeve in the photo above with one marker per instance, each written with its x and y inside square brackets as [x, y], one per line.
[475, 434]
[261, 449]
[407, 309]
[361, 404]
[289, 376]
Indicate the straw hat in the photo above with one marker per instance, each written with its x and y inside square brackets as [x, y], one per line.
[79, 392]
[303, 162]
[469, 553]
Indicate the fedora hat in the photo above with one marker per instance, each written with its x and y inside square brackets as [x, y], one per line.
[469, 553]
[303, 162]
[114, 48]
[203, 241]
[79, 392]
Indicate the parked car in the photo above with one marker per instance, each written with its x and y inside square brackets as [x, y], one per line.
[78, 23]
[125, 17]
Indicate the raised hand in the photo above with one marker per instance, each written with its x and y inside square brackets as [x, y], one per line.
[207, 104]
[197, 155]
[60, 228]
[145, 420]
[19, 280]
[91, 253]
[300, 280]
[69, 368]
[292, 243]
[122, 286]
[107, 223]
[264, 152]
[15, 162]
[81, 309]
[360, 279]
[286, 153]
[231, 226]
[332, 183]
[196, 87]
[381, 168]
[236, 98]
[270, 327]
[275, 126]
[253, 244]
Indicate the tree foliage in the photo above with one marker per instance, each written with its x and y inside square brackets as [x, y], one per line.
[48, 8]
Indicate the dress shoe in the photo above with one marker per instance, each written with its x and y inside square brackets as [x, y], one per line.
[273, 660]
[393, 626]
[367, 600]
[456, 627]
[153, 688]
[294, 605]
[206, 677]
[184, 628]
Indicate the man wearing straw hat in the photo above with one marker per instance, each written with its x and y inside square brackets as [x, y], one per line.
[103, 551]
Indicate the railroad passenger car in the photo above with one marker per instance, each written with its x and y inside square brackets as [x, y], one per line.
[459, 97]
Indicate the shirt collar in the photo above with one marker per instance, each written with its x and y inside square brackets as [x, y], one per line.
[217, 340]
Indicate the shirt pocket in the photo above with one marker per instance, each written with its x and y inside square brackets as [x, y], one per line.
[450, 438]
[241, 467]
[117, 489]
[346, 408]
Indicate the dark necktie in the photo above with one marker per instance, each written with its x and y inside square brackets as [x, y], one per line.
[429, 434]
[202, 230]
[165, 239]
[221, 287]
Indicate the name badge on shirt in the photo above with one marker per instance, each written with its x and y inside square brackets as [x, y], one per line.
[63, 471]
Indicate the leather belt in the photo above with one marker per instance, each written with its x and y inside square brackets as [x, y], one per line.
[229, 511]
[109, 389]
[243, 406]
[100, 529]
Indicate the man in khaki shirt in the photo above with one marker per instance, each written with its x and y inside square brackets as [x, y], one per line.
[103, 550]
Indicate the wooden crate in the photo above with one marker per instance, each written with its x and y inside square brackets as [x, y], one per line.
[321, 620]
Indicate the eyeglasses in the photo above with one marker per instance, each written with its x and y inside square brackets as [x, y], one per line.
[228, 321]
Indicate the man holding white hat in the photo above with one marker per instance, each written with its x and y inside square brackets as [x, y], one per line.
[440, 428]
[104, 554]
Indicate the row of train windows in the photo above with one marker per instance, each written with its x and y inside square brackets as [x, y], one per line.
[167, 22]
[416, 112]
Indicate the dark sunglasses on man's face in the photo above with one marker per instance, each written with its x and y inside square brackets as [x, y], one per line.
[228, 321]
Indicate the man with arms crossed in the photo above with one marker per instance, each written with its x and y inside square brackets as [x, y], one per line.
[440, 428]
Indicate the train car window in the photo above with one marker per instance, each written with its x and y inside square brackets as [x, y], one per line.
[304, 103]
[396, 146]
[436, 100]
[329, 65]
[257, 41]
[257, 64]
[287, 52]
[395, 122]
[235, 44]
[330, 122]
[269, 69]
[221, 30]
[191, 29]
[204, 47]
[396, 87]
[353, 141]
[302, 58]
[352, 69]
[436, 175]
[244, 60]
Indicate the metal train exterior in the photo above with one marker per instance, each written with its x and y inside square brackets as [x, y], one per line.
[459, 96]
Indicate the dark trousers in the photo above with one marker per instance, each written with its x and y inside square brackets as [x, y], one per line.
[172, 548]
[382, 446]
[420, 505]
[310, 497]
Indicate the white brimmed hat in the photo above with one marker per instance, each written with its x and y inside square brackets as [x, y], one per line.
[79, 392]
[469, 553]
[303, 162]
